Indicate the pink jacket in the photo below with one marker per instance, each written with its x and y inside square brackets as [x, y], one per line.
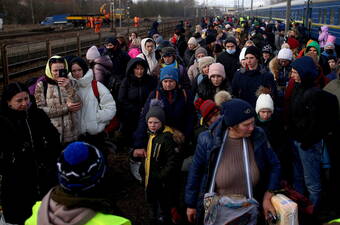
[133, 52]
[323, 36]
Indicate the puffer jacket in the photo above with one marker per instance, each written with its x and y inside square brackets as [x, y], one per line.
[133, 93]
[193, 71]
[323, 36]
[102, 67]
[204, 160]
[54, 103]
[93, 116]
[333, 87]
[150, 58]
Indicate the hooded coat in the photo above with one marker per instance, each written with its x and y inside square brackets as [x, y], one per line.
[30, 147]
[133, 93]
[312, 112]
[206, 90]
[93, 115]
[149, 57]
[323, 36]
[54, 104]
[323, 60]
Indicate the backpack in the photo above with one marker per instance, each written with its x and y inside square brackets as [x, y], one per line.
[31, 84]
[114, 123]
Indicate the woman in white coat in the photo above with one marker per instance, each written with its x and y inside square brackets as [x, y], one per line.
[96, 113]
[148, 54]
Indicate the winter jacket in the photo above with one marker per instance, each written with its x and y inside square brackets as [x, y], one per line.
[184, 81]
[54, 102]
[102, 69]
[30, 148]
[246, 82]
[133, 93]
[181, 45]
[279, 40]
[179, 114]
[230, 62]
[208, 145]
[323, 36]
[150, 58]
[188, 54]
[193, 71]
[93, 116]
[312, 112]
[49, 212]
[164, 167]
[134, 52]
[119, 60]
[206, 90]
[333, 87]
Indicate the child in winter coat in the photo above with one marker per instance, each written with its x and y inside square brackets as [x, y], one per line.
[161, 167]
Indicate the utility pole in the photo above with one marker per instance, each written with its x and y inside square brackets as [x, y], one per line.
[251, 8]
[287, 16]
[32, 12]
[113, 18]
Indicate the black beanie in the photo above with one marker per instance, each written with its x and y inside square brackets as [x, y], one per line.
[254, 51]
[236, 111]
[81, 62]
[230, 40]
[209, 39]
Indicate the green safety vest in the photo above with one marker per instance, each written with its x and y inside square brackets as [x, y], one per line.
[335, 221]
[98, 219]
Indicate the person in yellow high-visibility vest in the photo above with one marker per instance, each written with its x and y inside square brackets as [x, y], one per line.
[77, 199]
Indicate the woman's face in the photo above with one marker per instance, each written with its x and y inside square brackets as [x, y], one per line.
[205, 70]
[295, 76]
[149, 46]
[216, 80]
[138, 71]
[77, 71]
[133, 36]
[55, 67]
[20, 101]
[265, 114]
[169, 59]
[168, 84]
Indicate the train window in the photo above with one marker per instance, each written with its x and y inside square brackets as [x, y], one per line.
[320, 17]
[331, 17]
[325, 16]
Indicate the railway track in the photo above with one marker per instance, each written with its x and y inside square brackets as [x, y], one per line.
[26, 60]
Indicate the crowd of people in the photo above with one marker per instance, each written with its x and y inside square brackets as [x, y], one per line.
[217, 120]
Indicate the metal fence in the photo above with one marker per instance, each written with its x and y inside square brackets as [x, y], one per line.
[25, 58]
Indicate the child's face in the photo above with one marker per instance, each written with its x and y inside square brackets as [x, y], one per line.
[332, 63]
[154, 124]
[265, 114]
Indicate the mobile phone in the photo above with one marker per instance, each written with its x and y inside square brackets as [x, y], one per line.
[63, 73]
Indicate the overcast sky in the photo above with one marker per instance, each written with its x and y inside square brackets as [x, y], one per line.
[228, 2]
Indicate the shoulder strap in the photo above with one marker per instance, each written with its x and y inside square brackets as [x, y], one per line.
[44, 82]
[185, 95]
[247, 169]
[157, 94]
[95, 91]
[147, 63]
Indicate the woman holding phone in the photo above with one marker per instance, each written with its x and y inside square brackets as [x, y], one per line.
[57, 96]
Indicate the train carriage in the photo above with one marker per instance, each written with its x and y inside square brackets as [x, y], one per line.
[319, 13]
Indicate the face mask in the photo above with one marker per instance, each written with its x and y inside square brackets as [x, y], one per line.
[329, 51]
[231, 51]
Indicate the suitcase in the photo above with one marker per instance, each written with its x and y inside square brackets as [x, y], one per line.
[286, 210]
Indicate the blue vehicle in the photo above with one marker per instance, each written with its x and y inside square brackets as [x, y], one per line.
[313, 15]
[55, 20]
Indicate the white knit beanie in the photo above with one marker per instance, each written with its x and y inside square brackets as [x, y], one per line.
[92, 53]
[243, 54]
[264, 101]
[192, 41]
[285, 53]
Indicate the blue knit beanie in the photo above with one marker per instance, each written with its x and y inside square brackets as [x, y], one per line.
[81, 167]
[236, 111]
[169, 72]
